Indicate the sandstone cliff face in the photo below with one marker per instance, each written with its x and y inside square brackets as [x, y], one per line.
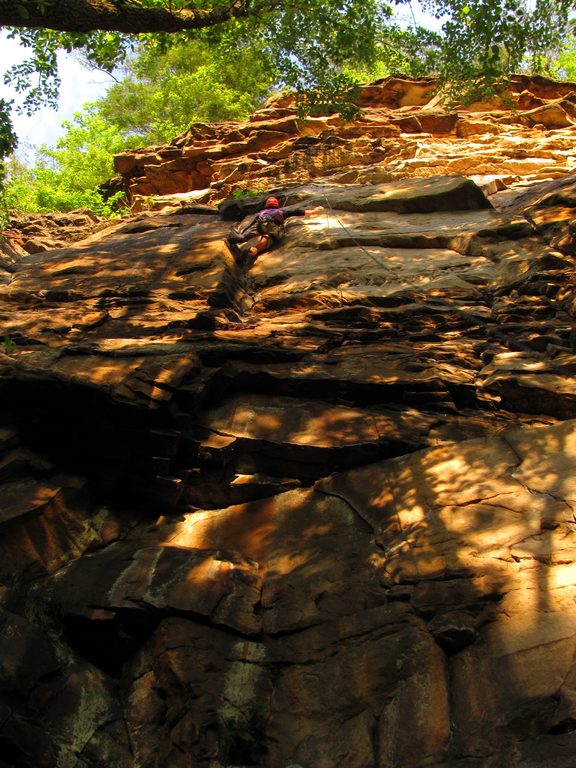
[524, 135]
[314, 511]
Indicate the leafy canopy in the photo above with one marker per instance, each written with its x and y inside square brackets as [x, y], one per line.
[312, 46]
[564, 67]
[163, 90]
[68, 176]
[43, 189]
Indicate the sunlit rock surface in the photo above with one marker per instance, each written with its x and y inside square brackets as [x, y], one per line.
[314, 511]
[405, 130]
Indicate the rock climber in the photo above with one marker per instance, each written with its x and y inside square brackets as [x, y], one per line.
[268, 226]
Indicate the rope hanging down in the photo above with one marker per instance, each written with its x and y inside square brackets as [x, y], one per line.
[354, 240]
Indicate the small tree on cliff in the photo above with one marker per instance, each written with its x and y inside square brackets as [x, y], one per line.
[311, 42]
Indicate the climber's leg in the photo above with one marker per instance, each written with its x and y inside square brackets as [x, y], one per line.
[262, 245]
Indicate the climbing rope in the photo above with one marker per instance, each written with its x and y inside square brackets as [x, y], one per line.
[354, 240]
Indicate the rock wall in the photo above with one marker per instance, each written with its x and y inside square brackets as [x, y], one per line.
[524, 135]
[314, 511]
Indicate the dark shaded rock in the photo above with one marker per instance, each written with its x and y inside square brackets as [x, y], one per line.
[26, 653]
[162, 580]
[453, 631]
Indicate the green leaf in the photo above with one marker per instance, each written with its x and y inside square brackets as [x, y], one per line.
[23, 11]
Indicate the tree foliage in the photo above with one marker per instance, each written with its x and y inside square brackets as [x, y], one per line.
[161, 93]
[84, 154]
[564, 66]
[44, 189]
[67, 176]
[484, 41]
[8, 139]
[165, 89]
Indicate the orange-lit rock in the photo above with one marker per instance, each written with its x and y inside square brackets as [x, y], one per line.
[316, 510]
[405, 117]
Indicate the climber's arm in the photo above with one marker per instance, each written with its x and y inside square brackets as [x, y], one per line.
[303, 211]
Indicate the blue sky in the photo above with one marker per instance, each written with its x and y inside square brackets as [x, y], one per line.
[79, 85]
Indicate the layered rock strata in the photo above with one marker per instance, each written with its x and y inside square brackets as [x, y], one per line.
[34, 233]
[525, 134]
[318, 510]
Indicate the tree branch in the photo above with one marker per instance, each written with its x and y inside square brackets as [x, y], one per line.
[116, 15]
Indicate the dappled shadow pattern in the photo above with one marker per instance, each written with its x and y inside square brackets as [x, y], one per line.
[316, 512]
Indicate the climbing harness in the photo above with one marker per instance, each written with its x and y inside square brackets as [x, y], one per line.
[270, 221]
